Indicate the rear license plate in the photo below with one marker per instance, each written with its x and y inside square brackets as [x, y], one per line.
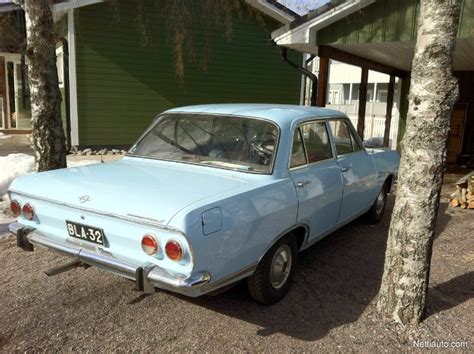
[85, 232]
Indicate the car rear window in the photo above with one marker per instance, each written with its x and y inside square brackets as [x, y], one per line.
[229, 142]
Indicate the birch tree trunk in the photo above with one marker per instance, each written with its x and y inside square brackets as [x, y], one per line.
[433, 93]
[49, 142]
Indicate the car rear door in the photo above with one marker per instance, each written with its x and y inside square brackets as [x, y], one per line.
[357, 168]
[317, 178]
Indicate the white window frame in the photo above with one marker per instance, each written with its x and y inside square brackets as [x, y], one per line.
[73, 107]
[2, 114]
[15, 59]
[60, 52]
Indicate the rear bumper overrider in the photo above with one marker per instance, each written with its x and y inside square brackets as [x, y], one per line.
[146, 276]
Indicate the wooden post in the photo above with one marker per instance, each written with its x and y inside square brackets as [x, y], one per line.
[362, 102]
[323, 81]
[388, 114]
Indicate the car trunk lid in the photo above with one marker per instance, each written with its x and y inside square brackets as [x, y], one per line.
[133, 187]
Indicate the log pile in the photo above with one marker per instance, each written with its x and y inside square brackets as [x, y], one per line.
[463, 197]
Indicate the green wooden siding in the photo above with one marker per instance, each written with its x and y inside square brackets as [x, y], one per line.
[122, 84]
[387, 21]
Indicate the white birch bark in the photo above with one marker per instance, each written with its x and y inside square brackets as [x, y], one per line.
[49, 142]
[433, 93]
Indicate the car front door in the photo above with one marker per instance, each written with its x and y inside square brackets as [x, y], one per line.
[357, 168]
[317, 178]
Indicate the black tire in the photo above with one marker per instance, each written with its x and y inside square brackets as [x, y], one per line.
[260, 284]
[376, 212]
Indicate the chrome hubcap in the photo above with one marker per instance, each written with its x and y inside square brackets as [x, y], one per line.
[380, 202]
[281, 266]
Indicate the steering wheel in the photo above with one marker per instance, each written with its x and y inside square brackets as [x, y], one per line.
[259, 144]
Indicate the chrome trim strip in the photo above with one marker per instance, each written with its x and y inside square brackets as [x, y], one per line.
[193, 285]
[159, 277]
[145, 221]
[311, 164]
[107, 263]
[68, 250]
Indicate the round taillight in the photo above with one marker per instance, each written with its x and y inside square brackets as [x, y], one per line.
[15, 207]
[174, 251]
[149, 245]
[28, 211]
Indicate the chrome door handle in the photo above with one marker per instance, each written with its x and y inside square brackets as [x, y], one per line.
[302, 184]
[345, 169]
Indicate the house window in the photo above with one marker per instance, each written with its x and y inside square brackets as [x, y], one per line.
[18, 95]
[60, 66]
[333, 97]
[382, 95]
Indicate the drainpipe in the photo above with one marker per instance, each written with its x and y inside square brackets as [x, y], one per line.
[66, 90]
[305, 72]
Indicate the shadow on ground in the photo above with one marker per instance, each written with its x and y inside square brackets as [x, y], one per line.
[450, 294]
[335, 282]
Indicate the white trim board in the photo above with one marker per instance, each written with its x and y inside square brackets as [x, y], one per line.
[73, 4]
[73, 114]
[305, 33]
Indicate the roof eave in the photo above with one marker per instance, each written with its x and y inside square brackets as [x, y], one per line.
[304, 33]
[58, 7]
[271, 10]
[73, 4]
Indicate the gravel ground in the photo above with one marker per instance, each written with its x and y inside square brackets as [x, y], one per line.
[330, 306]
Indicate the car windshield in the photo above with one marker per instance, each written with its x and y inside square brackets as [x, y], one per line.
[229, 142]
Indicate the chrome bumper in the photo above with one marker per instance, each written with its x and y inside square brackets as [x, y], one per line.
[146, 276]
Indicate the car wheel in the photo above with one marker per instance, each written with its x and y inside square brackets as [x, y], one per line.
[375, 214]
[272, 278]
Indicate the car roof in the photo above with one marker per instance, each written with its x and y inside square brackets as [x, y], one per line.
[281, 114]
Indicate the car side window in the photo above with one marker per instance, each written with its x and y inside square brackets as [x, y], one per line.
[356, 146]
[342, 136]
[316, 141]
[298, 155]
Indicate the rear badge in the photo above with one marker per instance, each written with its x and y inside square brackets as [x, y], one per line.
[84, 198]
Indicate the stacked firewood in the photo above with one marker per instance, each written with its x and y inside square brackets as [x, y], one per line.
[464, 195]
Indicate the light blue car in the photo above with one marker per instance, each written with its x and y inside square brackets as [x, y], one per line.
[209, 195]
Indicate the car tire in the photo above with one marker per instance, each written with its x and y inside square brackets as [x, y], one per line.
[274, 274]
[376, 212]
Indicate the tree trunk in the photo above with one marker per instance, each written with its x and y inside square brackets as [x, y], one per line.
[47, 129]
[433, 93]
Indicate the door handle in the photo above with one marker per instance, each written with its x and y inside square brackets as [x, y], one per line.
[345, 169]
[302, 184]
